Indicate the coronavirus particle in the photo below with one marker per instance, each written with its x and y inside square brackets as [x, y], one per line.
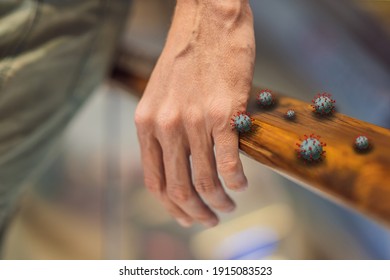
[290, 114]
[323, 104]
[242, 122]
[362, 143]
[265, 98]
[311, 149]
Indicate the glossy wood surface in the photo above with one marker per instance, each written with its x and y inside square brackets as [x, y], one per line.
[360, 180]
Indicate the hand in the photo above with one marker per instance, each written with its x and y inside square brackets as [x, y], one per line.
[201, 79]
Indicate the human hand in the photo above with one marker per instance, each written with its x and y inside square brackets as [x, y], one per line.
[201, 79]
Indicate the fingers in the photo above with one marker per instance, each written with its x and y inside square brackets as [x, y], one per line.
[228, 161]
[165, 149]
[206, 180]
[179, 185]
[155, 179]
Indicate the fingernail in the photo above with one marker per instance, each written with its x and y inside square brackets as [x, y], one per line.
[230, 208]
[211, 223]
[184, 222]
[243, 186]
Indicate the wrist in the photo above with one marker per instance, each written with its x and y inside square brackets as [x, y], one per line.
[211, 23]
[223, 8]
[214, 13]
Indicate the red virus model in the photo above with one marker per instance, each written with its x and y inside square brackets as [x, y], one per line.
[242, 122]
[323, 104]
[311, 148]
[290, 114]
[362, 143]
[265, 98]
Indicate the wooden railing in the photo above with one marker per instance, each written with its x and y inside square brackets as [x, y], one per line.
[360, 180]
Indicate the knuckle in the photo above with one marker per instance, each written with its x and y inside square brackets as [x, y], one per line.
[178, 194]
[204, 185]
[169, 124]
[194, 121]
[153, 185]
[227, 9]
[142, 120]
[218, 115]
[228, 165]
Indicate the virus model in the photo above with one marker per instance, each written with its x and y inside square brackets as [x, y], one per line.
[290, 114]
[311, 148]
[323, 104]
[362, 143]
[265, 98]
[242, 122]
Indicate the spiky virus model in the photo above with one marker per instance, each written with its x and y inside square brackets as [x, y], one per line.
[290, 114]
[311, 148]
[323, 104]
[362, 143]
[242, 122]
[265, 98]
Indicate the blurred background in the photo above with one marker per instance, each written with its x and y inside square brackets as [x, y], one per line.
[90, 203]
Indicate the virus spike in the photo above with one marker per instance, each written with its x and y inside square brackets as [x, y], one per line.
[362, 143]
[323, 104]
[242, 122]
[290, 114]
[310, 149]
[265, 98]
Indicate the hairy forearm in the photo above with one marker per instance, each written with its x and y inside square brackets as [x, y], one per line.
[223, 8]
[228, 4]
[212, 23]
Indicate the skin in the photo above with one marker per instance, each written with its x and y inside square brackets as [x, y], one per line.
[201, 79]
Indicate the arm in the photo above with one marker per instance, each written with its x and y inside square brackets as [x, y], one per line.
[202, 77]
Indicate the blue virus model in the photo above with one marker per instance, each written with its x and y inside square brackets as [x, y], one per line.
[362, 143]
[242, 122]
[265, 98]
[323, 104]
[290, 114]
[311, 148]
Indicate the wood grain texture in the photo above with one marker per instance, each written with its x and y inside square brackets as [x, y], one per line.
[360, 180]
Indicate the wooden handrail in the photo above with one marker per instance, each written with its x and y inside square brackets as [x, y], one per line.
[360, 180]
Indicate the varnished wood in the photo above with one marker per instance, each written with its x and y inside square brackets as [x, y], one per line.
[360, 180]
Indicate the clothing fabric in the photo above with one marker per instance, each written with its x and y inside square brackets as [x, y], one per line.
[53, 53]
